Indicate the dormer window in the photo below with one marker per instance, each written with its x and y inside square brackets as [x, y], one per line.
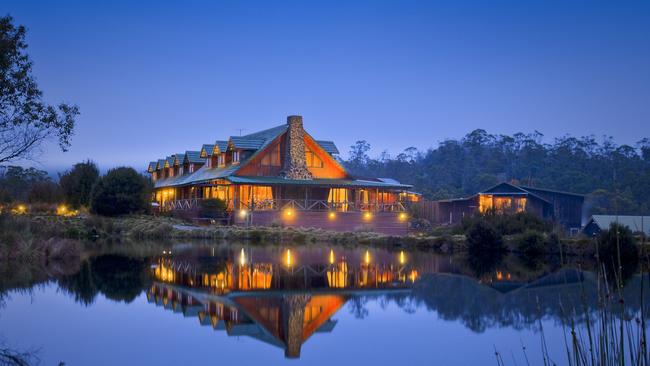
[221, 159]
[235, 157]
[191, 168]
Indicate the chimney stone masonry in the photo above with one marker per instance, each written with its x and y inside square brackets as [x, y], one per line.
[294, 165]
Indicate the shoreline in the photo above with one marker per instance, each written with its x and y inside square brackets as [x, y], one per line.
[166, 228]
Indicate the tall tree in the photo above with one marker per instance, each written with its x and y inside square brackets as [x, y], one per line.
[78, 183]
[25, 120]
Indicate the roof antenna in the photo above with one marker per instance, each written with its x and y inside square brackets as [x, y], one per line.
[240, 130]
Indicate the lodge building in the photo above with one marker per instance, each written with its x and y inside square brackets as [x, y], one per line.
[279, 175]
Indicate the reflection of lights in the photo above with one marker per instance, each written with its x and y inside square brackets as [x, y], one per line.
[401, 257]
[243, 213]
[413, 275]
[366, 257]
[289, 259]
[20, 209]
[242, 257]
[499, 276]
[331, 256]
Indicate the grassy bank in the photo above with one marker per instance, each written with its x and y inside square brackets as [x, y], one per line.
[25, 234]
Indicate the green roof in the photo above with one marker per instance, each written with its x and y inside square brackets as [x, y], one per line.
[247, 143]
[328, 146]
[317, 182]
[208, 148]
[194, 157]
[257, 142]
[221, 145]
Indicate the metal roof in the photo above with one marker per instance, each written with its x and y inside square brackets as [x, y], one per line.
[328, 146]
[207, 149]
[316, 182]
[194, 157]
[178, 159]
[220, 145]
[152, 166]
[634, 223]
[247, 143]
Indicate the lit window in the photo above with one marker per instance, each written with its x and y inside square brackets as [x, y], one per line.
[313, 161]
[221, 159]
[235, 156]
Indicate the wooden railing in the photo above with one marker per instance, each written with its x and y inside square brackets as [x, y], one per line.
[324, 205]
[295, 204]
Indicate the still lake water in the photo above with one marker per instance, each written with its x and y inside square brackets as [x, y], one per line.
[312, 305]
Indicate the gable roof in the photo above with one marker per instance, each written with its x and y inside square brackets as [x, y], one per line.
[533, 189]
[160, 164]
[152, 166]
[206, 150]
[257, 142]
[194, 157]
[219, 146]
[178, 159]
[634, 223]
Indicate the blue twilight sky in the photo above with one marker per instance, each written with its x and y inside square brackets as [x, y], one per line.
[159, 77]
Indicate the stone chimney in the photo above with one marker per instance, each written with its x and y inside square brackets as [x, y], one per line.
[294, 165]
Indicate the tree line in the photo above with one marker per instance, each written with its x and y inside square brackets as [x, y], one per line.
[615, 178]
[120, 191]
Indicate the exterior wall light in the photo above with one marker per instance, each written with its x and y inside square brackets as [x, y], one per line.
[331, 215]
[367, 215]
[288, 212]
[403, 216]
[243, 213]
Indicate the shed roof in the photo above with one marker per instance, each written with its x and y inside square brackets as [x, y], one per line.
[328, 146]
[635, 223]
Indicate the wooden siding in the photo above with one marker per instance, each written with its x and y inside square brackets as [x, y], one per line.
[381, 222]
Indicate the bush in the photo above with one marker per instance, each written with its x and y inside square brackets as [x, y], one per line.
[121, 191]
[77, 184]
[213, 208]
[531, 244]
[45, 192]
[610, 241]
[510, 224]
[483, 238]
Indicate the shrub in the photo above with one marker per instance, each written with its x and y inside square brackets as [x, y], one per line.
[213, 208]
[531, 244]
[510, 224]
[121, 191]
[482, 238]
[77, 183]
[618, 237]
[45, 192]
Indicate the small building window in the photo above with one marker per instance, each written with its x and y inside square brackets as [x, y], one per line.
[235, 156]
[221, 159]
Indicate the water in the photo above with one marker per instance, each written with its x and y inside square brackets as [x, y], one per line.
[312, 305]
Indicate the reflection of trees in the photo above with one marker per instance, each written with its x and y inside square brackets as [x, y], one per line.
[357, 307]
[118, 277]
[480, 307]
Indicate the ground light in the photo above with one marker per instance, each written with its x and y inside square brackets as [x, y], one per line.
[243, 213]
[332, 215]
[288, 212]
[367, 216]
[403, 216]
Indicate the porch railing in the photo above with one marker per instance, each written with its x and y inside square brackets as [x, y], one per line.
[296, 204]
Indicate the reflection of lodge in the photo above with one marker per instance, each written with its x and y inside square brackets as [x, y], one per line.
[282, 304]
[283, 321]
[247, 276]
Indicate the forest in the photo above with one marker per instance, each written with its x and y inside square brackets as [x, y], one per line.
[615, 178]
